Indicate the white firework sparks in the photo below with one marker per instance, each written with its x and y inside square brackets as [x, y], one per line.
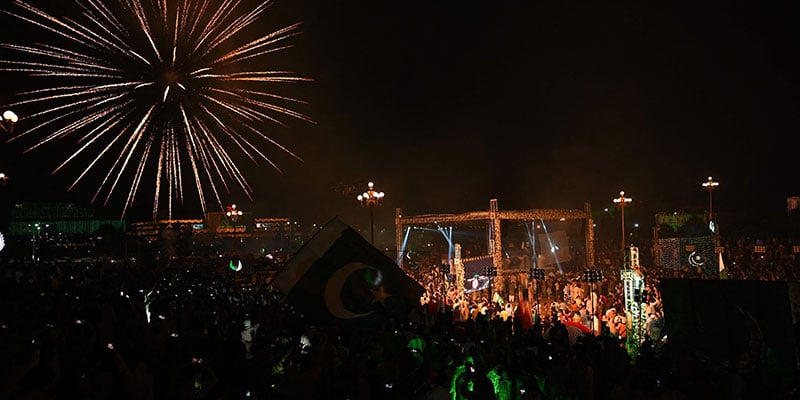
[155, 88]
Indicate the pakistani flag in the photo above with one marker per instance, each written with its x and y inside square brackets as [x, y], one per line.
[338, 277]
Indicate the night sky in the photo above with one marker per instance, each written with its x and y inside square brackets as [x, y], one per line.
[447, 104]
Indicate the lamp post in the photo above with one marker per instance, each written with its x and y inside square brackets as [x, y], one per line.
[710, 185]
[8, 120]
[370, 199]
[234, 213]
[623, 201]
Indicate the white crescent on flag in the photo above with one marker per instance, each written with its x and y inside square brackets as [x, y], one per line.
[333, 291]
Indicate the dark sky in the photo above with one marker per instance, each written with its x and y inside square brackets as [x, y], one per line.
[447, 104]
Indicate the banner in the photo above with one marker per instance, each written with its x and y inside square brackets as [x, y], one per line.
[689, 252]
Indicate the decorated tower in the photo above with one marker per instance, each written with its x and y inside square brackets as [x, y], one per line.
[635, 297]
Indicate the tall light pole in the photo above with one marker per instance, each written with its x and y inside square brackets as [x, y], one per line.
[234, 213]
[370, 199]
[7, 121]
[710, 185]
[623, 201]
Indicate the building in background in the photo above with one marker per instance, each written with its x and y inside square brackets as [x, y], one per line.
[66, 232]
[60, 231]
[792, 205]
[218, 235]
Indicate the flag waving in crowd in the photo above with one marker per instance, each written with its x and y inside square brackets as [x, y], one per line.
[339, 277]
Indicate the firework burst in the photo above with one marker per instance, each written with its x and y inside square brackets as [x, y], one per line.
[155, 88]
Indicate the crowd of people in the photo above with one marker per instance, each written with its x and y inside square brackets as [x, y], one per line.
[196, 330]
[777, 260]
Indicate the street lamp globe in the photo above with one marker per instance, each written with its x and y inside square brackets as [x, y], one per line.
[622, 200]
[8, 120]
[10, 116]
[233, 212]
[710, 183]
